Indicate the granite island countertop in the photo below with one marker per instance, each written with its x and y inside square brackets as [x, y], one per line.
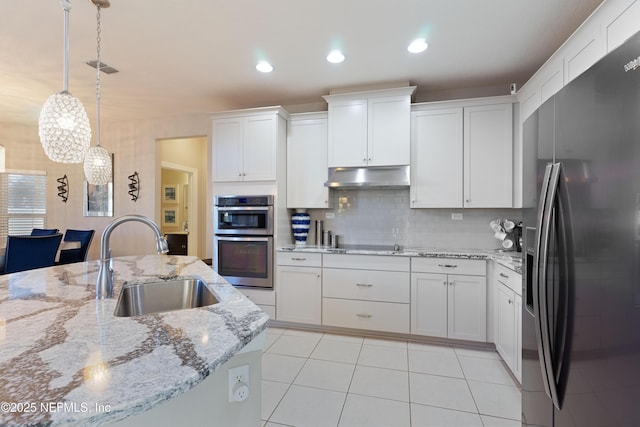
[65, 359]
[510, 259]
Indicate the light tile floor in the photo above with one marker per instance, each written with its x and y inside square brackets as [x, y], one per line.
[312, 378]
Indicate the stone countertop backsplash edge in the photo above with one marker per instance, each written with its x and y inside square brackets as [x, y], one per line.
[510, 259]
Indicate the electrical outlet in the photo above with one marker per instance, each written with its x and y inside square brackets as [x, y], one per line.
[239, 383]
[456, 217]
[329, 215]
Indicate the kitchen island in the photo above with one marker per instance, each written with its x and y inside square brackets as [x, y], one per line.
[65, 359]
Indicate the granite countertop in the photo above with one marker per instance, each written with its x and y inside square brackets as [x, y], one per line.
[66, 359]
[510, 259]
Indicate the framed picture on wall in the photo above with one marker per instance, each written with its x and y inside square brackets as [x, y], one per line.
[169, 217]
[170, 194]
[98, 199]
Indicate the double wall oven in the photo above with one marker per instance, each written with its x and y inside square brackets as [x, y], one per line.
[243, 241]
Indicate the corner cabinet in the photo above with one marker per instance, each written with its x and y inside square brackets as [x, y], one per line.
[370, 128]
[448, 298]
[488, 156]
[245, 144]
[462, 154]
[307, 161]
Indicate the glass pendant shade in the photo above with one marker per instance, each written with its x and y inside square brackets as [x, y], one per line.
[64, 131]
[97, 166]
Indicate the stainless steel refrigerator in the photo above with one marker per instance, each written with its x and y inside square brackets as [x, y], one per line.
[581, 311]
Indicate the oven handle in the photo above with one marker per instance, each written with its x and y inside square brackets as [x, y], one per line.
[244, 208]
[244, 239]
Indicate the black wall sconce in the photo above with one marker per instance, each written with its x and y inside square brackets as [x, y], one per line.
[134, 186]
[63, 188]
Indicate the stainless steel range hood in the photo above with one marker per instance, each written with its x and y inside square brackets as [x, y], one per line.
[369, 177]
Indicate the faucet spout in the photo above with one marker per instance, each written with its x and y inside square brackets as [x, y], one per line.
[104, 283]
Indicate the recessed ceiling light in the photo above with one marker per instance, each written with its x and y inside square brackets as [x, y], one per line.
[418, 45]
[335, 56]
[264, 67]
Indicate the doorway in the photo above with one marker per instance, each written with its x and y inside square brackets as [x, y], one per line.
[182, 191]
[179, 204]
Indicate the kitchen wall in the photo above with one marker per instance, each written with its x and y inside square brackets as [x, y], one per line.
[134, 145]
[370, 217]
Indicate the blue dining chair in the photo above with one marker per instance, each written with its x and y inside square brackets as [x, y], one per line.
[44, 231]
[67, 256]
[29, 252]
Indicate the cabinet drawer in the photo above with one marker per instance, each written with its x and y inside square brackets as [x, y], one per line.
[472, 267]
[300, 259]
[508, 277]
[367, 262]
[387, 286]
[379, 316]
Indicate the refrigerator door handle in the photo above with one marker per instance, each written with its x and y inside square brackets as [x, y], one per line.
[566, 293]
[540, 309]
[555, 361]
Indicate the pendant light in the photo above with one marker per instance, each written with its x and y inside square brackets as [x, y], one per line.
[65, 133]
[97, 162]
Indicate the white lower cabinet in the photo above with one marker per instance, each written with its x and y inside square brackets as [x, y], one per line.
[299, 288]
[366, 292]
[507, 317]
[444, 304]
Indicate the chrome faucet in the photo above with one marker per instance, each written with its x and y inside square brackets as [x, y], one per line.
[104, 284]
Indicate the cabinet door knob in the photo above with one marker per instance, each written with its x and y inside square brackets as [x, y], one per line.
[468, 200]
[510, 301]
[444, 283]
[451, 283]
[364, 159]
[239, 173]
[504, 275]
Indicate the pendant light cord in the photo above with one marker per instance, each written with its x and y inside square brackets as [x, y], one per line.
[66, 5]
[98, 77]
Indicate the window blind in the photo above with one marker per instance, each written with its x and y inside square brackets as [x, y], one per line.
[23, 203]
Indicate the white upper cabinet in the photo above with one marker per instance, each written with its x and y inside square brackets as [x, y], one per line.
[245, 144]
[462, 154]
[227, 149]
[488, 156]
[307, 161]
[370, 128]
[436, 151]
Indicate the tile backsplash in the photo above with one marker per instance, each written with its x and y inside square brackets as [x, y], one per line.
[376, 217]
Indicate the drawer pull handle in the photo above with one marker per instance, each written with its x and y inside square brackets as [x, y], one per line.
[447, 266]
[364, 285]
[504, 275]
[364, 316]
[298, 259]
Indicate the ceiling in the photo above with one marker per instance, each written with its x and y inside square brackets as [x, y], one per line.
[197, 56]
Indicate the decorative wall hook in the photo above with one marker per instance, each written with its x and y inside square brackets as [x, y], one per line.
[63, 188]
[134, 186]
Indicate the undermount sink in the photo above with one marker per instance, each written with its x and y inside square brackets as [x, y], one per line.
[166, 295]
